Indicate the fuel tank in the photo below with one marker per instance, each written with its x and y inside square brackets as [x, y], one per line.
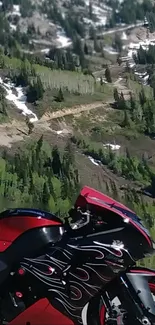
[25, 232]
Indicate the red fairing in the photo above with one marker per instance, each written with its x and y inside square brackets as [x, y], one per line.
[13, 227]
[143, 271]
[90, 196]
[41, 313]
[87, 194]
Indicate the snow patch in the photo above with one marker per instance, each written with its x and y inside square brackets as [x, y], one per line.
[87, 21]
[110, 50]
[145, 44]
[112, 146]
[19, 100]
[62, 39]
[16, 10]
[59, 132]
[101, 15]
[46, 51]
[94, 161]
[134, 47]
[131, 65]
[146, 77]
[101, 12]
[63, 132]
[124, 36]
[103, 80]
[13, 27]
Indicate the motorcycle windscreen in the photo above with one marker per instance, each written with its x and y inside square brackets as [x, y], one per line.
[140, 282]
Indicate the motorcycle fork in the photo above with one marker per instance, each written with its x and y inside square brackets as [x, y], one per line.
[132, 303]
[131, 309]
[115, 314]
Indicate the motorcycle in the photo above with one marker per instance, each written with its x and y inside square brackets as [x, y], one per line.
[78, 272]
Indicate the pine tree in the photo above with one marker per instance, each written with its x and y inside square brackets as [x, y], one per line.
[122, 103]
[142, 97]
[101, 81]
[40, 89]
[64, 188]
[70, 60]
[50, 185]
[69, 154]
[34, 161]
[108, 75]
[116, 97]
[97, 47]
[79, 50]
[29, 125]
[86, 49]
[35, 91]
[132, 102]
[39, 146]
[126, 121]
[56, 162]
[76, 177]
[45, 195]
[60, 96]
[118, 43]
[90, 10]
[119, 60]
[31, 185]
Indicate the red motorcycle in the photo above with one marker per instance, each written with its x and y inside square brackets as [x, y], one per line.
[82, 272]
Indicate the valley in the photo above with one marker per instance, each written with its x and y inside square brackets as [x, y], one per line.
[77, 89]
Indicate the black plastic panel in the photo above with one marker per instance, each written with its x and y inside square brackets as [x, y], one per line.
[30, 213]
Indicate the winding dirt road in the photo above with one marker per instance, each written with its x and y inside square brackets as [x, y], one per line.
[74, 110]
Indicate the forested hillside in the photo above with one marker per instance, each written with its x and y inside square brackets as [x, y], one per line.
[39, 176]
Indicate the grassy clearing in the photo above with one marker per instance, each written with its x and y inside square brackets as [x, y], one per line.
[11, 63]
[101, 93]
[95, 124]
[75, 82]
[78, 89]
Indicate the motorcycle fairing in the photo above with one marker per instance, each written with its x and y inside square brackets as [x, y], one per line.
[42, 312]
[16, 222]
[139, 279]
[89, 196]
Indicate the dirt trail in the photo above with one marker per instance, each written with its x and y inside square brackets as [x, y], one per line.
[17, 130]
[119, 84]
[73, 111]
[122, 88]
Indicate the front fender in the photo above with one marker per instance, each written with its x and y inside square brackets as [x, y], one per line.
[139, 278]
